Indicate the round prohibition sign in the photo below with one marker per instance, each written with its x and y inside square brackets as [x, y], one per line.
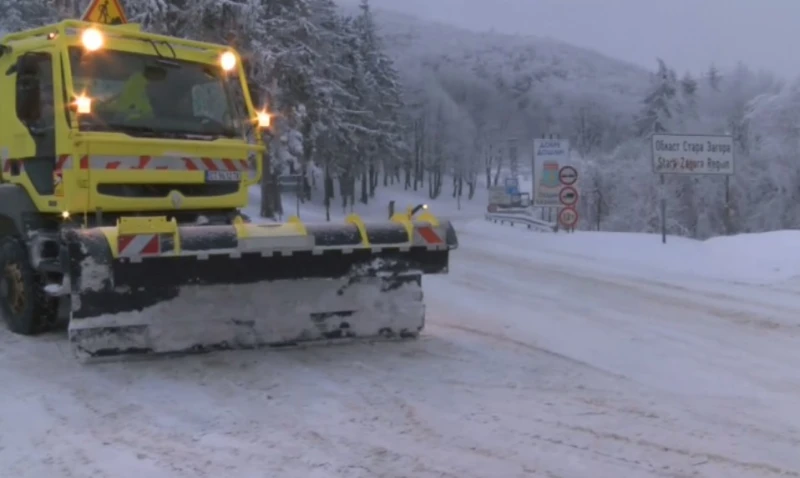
[568, 175]
[568, 196]
[568, 217]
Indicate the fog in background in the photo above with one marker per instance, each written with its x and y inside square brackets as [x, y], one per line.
[689, 34]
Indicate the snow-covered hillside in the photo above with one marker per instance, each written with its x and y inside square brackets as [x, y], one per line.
[523, 76]
[493, 87]
[554, 65]
[553, 355]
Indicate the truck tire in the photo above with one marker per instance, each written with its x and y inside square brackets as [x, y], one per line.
[21, 298]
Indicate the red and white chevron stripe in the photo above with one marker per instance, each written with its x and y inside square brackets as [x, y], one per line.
[138, 245]
[164, 163]
[429, 235]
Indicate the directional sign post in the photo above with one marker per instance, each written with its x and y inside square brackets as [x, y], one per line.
[568, 196]
[568, 217]
[691, 154]
[108, 12]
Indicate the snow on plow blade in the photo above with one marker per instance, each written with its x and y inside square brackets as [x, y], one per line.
[150, 285]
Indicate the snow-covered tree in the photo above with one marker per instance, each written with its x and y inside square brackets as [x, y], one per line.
[382, 95]
[714, 78]
[658, 116]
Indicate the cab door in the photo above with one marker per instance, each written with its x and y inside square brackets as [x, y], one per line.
[34, 137]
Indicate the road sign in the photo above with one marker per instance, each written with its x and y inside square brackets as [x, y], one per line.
[549, 156]
[109, 12]
[568, 217]
[567, 175]
[551, 149]
[692, 154]
[497, 195]
[512, 185]
[289, 183]
[568, 196]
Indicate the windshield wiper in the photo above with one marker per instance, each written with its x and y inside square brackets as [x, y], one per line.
[208, 135]
[149, 131]
[141, 130]
[158, 52]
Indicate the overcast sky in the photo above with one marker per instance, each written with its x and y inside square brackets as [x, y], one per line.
[688, 34]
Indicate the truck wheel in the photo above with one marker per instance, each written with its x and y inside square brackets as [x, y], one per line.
[20, 301]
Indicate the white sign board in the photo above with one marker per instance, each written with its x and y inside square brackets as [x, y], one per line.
[551, 149]
[549, 156]
[498, 195]
[692, 154]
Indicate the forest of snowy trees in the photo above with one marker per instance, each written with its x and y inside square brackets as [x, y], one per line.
[364, 100]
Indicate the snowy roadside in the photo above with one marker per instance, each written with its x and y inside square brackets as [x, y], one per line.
[563, 360]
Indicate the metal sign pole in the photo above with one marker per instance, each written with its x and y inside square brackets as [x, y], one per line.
[298, 192]
[663, 211]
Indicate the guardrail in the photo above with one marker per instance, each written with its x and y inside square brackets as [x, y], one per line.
[522, 219]
[515, 211]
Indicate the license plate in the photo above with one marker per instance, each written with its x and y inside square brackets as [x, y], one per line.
[223, 176]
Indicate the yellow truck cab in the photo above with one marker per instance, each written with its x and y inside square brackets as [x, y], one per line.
[111, 119]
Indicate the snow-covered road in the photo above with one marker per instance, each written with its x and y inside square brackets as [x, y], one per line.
[543, 362]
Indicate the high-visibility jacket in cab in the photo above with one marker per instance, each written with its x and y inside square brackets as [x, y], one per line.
[133, 100]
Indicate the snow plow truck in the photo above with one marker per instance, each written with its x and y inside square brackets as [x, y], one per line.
[126, 162]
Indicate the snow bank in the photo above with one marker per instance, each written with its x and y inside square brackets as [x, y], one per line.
[761, 258]
[445, 206]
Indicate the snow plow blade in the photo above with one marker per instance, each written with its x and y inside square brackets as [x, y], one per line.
[150, 285]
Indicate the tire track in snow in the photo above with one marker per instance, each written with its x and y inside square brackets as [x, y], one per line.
[530, 347]
[517, 270]
[688, 316]
[692, 458]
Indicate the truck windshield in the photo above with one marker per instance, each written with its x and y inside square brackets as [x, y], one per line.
[152, 96]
